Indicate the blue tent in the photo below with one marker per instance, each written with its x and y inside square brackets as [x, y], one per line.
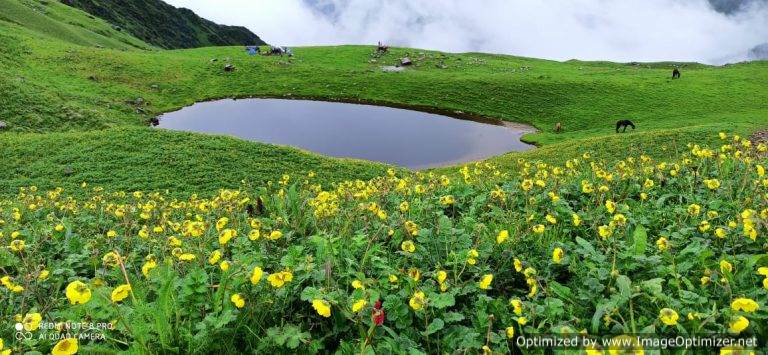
[252, 50]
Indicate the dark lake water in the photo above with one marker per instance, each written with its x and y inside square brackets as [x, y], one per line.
[411, 139]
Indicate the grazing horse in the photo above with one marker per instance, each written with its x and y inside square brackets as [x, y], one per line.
[675, 74]
[624, 123]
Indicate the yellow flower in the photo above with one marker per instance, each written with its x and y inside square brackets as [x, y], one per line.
[120, 293]
[725, 266]
[392, 278]
[668, 316]
[417, 301]
[704, 280]
[712, 184]
[472, 257]
[604, 231]
[279, 279]
[526, 185]
[662, 243]
[557, 255]
[357, 284]
[517, 306]
[59, 227]
[214, 258]
[221, 223]
[738, 324]
[485, 282]
[187, 257]
[43, 275]
[576, 220]
[720, 233]
[551, 219]
[238, 300]
[226, 235]
[408, 246]
[67, 346]
[17, 245]
[254, 234]
[147, 267]
[414, 274]
[275, 235]
[502, 236]
[447, 200]
[256, 275]
[359, 305]
[31, 321]
[510, 332]
[224, 265]
[404, 206]
[518, 265]
[323, 308]
[744, 304]
[694, 209]
[78, 292]
[648, 184]
[619, 219]
[610, 206]
[522, 320]
[539, 228]
[441, 276]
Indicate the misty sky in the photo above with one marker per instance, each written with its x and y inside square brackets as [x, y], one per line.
[617, 30]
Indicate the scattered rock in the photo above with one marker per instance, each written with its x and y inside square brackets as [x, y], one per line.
[214, 60]
[99, 46]
[3, 125]
[139, 101]
[406, 61]
[154, 87]
[154, 121]
[93, 78]
[392, 69]
[68, 171]
[229, 68]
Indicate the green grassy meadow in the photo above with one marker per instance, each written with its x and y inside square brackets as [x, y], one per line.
[64, 73]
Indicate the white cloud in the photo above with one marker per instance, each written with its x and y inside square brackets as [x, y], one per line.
[619, 30]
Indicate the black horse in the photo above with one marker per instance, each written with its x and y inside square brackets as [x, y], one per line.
[624, 123]
[676, 74]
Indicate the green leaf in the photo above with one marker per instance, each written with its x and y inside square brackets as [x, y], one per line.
[625, 286]
[640, 238]
[436, 325]
[560, 290]
[452, 317]
[442, 300]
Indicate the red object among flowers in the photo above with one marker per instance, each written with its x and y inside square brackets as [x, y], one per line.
[378, 313]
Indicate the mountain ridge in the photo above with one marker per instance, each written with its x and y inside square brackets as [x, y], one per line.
[164, 25]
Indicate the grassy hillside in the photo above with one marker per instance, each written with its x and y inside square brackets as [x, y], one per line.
[164, 25]
[53, 85]
[53, 20]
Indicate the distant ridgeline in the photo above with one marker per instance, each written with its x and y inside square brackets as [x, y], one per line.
[165, 26]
